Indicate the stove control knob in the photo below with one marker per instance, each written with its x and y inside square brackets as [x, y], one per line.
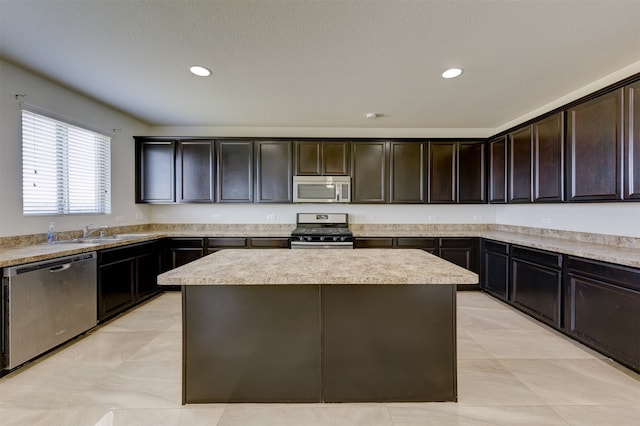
[335, 238]
[341, 238]
[300, 238]
[321, 238]
[308, 238]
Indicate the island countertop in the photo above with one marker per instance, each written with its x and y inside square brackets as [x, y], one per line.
[318, 266]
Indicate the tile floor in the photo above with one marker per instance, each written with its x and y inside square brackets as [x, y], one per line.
[511, 371]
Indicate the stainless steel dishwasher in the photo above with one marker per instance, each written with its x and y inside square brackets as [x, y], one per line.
[47, 303]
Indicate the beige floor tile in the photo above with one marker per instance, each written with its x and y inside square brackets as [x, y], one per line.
[528, 344]
[597, 415]
[485, 382]
[135, 385]
[431, 414]
[306, 414]
[576, 381]
[468, 348]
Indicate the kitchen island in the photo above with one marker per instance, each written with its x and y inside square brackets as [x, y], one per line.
[319, 326]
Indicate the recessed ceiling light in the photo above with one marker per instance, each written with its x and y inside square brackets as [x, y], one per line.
[372, 115]
[452, 73]
[200, 71]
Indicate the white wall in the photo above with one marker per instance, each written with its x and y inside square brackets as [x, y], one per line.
[601, 218]
[358, 213]
[47, 96]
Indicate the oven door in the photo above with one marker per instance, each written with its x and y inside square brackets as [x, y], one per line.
[315, 245]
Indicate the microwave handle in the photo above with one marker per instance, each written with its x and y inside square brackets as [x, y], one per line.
[338, 191]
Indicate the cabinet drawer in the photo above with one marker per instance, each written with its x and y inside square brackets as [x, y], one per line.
[456, 242]
[615, 274]
[421, 243]
[373, 242]
[270, 243]
[496, 247]
[179, 242]
[540, 257]
[227, 242]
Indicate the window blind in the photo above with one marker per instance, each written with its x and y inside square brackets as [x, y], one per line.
[65, 169]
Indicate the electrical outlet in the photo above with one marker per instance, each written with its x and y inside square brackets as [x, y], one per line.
[433, 218]
[139, 216]
[371, 217]
[546, 220]
[119, 218]
[270, 216]
[162, 216]
[478, 218]
[217, 216]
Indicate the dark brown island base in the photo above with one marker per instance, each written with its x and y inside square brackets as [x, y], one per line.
[319, 326]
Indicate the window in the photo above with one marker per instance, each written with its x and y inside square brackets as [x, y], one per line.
[65, 169]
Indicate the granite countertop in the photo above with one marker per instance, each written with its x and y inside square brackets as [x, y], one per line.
[318, 266]
[613, 249]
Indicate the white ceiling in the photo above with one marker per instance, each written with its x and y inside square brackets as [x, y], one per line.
[309, 63]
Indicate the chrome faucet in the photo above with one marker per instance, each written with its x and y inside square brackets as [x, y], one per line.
[86, 231]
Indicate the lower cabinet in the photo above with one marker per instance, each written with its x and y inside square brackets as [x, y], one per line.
[269, 243]
[217, 244]
[127, 275]
[373, 242]
[182, 250]
[602, 308]
[536, 283]
[495, 268]
[594, 302]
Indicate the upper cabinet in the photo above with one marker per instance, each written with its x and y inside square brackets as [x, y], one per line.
[155, 175]
[519, 166]
[234, 171]
[632, 148]
[472, 182]
[370, 172]
[195, 171]
[273, 171]
[548, 159]
[457, 172]
[594, 148]
[442, 172]
[407, 172]
[317, 158]
[498, 170]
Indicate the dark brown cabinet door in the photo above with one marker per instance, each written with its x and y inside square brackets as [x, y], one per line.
[442, 172]
[407, 172]
[115, 288]
[370, 172]
[195, 171]
[495, 268]
[548, 159]
[498, 170]
[317, 158]
[536, 283]
[519, 166]
[234, 171]
[594, 140]
[632, 156]
[155, 174]
[148, 267]
[471, 172]
[309, 158]
[601, 308]
[273, 171]
[335, 158]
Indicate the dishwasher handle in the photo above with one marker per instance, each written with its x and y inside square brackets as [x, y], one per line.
[60, 268]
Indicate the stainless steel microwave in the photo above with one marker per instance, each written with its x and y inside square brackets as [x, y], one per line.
[321, 189]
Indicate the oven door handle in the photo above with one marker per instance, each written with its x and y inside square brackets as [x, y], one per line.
[312, 245]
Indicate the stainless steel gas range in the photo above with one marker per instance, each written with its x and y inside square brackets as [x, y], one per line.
[322, 230]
